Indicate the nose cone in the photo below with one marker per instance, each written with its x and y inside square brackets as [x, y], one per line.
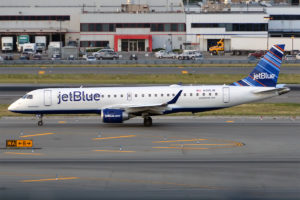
[12, 107]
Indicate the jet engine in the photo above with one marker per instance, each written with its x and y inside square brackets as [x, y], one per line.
[114, 115]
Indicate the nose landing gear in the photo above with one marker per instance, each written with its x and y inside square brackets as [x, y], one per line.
[40, 119]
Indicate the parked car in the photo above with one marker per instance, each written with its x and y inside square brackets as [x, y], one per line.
[298, 56]
[257, 54]
[133, 57]
[91, 59]
[24, 56]
[165, 54]
[102, 52]
[108, 56]
[8, 57]
[190, 55]
[37, 57]
[289, 57]
[71, 57]
[56, 57]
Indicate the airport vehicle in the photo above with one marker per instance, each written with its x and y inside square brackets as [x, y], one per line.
[29, 48]
[117, 104]
[101, 52]
[7, 43]
[40, 42]
[298, 56]
[1, 59]
[21, 40]
[214, 50]
[165, 54]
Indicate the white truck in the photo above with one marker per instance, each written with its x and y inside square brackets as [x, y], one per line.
[245, 45]
[7, 43]
[56, 45]
[29, 48]
[40, 42]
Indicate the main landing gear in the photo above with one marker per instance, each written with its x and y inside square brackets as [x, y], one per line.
[40, 119]
[147, 121]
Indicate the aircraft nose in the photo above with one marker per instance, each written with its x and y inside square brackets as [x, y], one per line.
[12, 107]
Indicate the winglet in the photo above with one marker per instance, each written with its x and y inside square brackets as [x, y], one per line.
[174, 100]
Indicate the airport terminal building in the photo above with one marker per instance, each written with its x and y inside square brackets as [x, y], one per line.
[143, 25]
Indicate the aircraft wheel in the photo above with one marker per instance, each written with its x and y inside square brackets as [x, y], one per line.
[40, 123]
[147, 121]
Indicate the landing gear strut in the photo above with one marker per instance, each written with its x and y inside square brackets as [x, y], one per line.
[40, 119]
[147, 121]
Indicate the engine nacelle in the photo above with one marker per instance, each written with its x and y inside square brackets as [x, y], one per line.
[114, 116]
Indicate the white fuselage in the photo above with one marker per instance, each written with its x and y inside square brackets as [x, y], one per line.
[93, 100]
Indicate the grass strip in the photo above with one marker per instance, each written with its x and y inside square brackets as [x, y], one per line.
[255, 109]
[142, 65]
[134, 79]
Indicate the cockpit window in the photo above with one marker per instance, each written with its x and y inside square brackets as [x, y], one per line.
[27, 96]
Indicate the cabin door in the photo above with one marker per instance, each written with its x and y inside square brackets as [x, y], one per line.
[47, 97]
[226, 94]
[129, 96]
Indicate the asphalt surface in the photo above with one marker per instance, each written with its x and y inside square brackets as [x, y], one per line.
[177, 158]
[136, 70]
[11, 92]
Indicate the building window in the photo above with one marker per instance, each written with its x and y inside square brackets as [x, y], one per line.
[285, 17]
[84, 27]
[94, 43]
[34, 17]
[237, 27]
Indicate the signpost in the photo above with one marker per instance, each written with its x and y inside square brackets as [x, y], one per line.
[19, 144]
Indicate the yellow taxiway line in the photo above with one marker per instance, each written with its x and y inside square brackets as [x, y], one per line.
[114, 151]
[170, 141]
[31, 154]
[117, 137]
[181, 148]
[204, 144]
[35, 135]
[50, 179]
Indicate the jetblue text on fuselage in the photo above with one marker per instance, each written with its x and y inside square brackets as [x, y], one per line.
[77, 96]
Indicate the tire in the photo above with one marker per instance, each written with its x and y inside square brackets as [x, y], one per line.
[40, 123]
[179, 58]
[193, 58]
[147, 121]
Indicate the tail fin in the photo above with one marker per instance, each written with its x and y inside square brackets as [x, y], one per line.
[266, 72]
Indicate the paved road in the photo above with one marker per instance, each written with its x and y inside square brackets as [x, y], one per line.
[11, 92]
[136, 70]
[177, 158]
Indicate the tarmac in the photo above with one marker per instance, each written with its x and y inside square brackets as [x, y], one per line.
[176, 158]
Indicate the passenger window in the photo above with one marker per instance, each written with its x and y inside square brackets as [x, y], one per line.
[136, 95]
[162, 95]
[184, 94]
[149, 95]
[216, 94]
[173, 95]
[168, 95]
[115, 96]
[143, 95]
[203, 94]
[197, 94]
[121, 95]
[191, 94]
[155, 95]
[25, 96]
[209, 94]
[102, 95]
[108, 96]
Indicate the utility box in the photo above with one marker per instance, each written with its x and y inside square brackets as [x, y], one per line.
[68, 51]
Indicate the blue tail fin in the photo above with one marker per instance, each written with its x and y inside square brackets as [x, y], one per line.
[266, 72]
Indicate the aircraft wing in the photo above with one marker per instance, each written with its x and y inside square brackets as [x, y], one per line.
[147, 108]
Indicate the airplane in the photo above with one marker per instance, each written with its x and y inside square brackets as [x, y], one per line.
[117, 104]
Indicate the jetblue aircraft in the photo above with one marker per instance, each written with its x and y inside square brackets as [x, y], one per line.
[117, 104]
